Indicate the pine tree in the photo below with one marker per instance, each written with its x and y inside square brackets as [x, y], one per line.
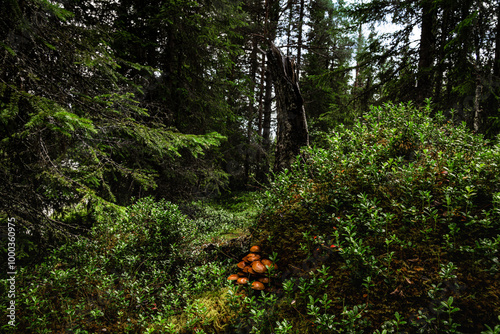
[453, 62]
[326, 65]
[79, 129]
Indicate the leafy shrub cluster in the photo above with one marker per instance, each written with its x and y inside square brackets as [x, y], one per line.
[394, 226]
[142, 269]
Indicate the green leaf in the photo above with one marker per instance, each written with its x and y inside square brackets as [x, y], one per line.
[54, 8]
[9, 49]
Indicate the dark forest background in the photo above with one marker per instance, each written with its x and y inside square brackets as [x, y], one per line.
[105, 100]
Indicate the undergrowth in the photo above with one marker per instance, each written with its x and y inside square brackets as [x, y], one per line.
[402, 212]
[145, 268]
[393, 226]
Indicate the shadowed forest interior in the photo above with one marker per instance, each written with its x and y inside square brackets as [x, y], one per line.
[147, 146]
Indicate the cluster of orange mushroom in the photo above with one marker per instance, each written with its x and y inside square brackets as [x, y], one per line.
[253, 267]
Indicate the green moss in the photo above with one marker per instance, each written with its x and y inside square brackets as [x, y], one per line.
[209, 311]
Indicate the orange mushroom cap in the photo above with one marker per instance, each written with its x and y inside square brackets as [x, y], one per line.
[241, 264]
[258, 267]
[258, 285]
[233, 277]
[252, 257]
[263, 279]
[242, 280]
[269, 263]
[255, 249]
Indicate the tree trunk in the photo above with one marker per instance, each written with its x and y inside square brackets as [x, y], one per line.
[477, 108]
[272, 9]
[299, 38]
[493, 104]
[426, 51]
[289, 28]
[266, 129]
[266, 126]
[292, 133]
[359, 48]
[496, 64]
[441, 55]
[479, 87]
[251, 109]
[262, 160]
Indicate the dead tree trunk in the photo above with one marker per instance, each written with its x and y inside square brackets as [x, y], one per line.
[292, 133]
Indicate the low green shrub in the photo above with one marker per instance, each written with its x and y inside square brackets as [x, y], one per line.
[141, 269]
[392, 226]
[385, 205]
[148, 233]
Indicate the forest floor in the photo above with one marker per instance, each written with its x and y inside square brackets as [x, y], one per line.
[392, 227]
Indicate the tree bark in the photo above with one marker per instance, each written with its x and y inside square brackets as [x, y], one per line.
[292, 133]
[426, 52]
[493, 102]
[264, 128]
[272, 8]
[262, 173]
[441, 54]
[251, 108]
[479, 86]
[299, 38]
[289, 28]
[496, 64]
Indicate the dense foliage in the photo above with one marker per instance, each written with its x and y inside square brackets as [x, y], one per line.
[102, 101]
[393, 226]
[445, 50]
[74, 131]
[392, 218]
[144, 267]
[121, 119]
